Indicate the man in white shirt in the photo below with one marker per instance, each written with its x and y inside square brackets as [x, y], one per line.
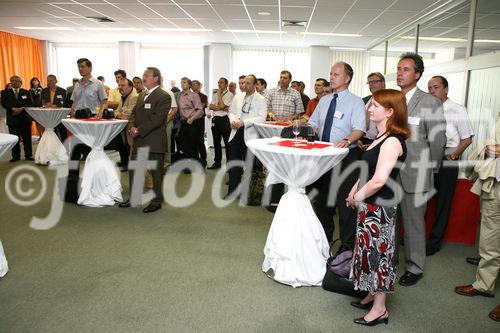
[458, 138]
[170, 124]
[247, 108]
[220, 121]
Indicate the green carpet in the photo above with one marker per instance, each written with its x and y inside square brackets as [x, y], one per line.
[195, 269]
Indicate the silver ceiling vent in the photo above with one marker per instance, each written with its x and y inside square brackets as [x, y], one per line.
[293, 23]
[100, 19]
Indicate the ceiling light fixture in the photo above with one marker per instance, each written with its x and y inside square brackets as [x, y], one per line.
[329, 34]
[496, 41]
[263, 13]
[44, 28]
[242, 31]
[436, 39]
[180, 30]
[111, 29]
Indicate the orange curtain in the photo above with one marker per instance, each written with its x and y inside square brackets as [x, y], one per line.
[21, 56]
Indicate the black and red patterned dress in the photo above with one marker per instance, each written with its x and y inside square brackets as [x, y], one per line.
[372, 267]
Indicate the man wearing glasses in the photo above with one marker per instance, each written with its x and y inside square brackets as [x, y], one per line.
[247, 108]
[375, 82]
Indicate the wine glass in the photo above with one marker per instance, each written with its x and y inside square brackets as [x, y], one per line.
[270, 115]
[296, 130]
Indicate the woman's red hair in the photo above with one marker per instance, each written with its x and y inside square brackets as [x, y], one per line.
[395, 100]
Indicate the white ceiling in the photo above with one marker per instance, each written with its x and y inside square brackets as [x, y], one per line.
[374, 20]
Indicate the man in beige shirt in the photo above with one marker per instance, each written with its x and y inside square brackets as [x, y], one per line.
[128, 98]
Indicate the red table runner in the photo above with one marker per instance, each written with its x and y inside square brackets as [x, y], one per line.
[302, 144]
[278, 123]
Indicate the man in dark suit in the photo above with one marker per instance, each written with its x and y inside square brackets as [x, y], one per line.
[55, 96]
[426, 144]
[148, 122]
[18, 120]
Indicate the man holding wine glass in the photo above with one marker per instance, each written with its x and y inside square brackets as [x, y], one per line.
[339, 118]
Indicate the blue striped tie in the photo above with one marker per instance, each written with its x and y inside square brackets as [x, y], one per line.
[325, 136]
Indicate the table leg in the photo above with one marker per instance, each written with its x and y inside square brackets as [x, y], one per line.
[100, 181]
[296, 248]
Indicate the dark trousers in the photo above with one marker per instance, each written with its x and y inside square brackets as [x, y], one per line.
[23, 131]
[157, 175]
[444, 182]
[61, 132]
[72, 184]
[237, 151]
[347, 215]
[189, 139]
[221, 129]
[174, 143]
[202, 150]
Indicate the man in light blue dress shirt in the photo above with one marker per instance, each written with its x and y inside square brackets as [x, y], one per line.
[339, 118]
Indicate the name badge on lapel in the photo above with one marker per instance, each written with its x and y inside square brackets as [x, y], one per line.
[414, 121]
[147, 105]
[338, 114]
[24, 96]
[59, 96]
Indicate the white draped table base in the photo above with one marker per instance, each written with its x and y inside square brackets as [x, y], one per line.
[296, 248]
[101, 184]
[7, 141]
[50, 149]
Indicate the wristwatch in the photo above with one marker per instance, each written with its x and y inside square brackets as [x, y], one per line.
[348, 141]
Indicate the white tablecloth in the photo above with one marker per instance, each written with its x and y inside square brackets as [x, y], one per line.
[296, 248]
[268, 130]
[100, 180]
[50, 149]
[7, 141]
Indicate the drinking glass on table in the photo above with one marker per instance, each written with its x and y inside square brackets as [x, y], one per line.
[270, 115]
[296, 130]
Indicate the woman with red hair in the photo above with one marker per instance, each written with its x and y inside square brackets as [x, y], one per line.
[376, 199]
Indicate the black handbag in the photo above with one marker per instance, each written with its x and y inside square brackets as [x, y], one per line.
[108, 114]
[338, 284]
[83, 113]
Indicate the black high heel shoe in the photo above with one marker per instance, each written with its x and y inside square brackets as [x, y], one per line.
[374, 322]
[360, 305]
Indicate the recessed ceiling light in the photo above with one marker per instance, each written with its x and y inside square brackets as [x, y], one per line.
[329, 34]
[254, 31]
[179, 30]
[263, 13]
[44, 28]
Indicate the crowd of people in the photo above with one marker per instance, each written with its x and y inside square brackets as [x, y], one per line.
[387, 130]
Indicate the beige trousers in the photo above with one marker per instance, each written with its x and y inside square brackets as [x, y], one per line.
[489, 243]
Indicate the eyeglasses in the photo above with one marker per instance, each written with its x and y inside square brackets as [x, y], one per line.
[374, 81]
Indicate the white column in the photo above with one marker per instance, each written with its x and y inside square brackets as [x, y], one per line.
[49, 58]
[320, 65]
[128, 58]
[220, 64]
